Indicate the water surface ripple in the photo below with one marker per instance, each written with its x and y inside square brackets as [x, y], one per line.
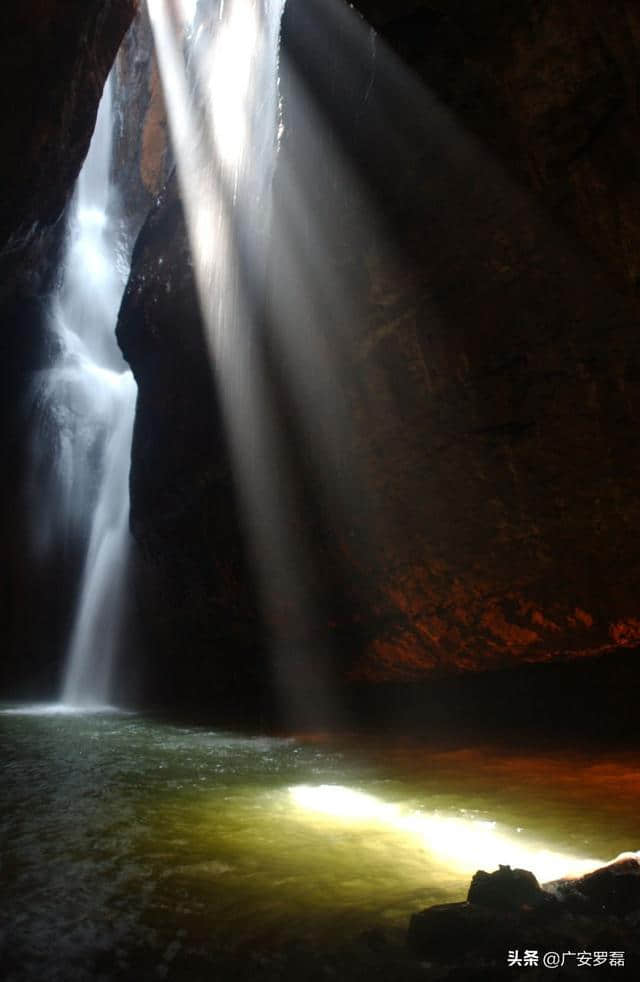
[129, 845]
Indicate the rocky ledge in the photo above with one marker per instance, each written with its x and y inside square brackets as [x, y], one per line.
[511, 927]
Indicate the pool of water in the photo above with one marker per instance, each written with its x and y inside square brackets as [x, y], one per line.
[127, 841]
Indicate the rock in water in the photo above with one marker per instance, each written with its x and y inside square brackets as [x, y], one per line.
[506, 889]
[611, 890]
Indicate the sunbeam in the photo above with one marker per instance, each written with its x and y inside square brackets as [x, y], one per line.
[314, 282]
[222, 102]
[460, 842]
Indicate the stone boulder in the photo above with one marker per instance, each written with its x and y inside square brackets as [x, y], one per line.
[613, 889]
[511, 913]
[506, 889]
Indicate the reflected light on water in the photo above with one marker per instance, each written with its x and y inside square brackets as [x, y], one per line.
[127, 832]
[61, 709]
[463, 844]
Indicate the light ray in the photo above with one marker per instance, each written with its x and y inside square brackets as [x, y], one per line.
[463, 844]
[309, 391]
[223, 114]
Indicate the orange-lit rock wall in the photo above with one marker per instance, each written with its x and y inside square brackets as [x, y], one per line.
[495, 364]
[142, 156]
[466, 248]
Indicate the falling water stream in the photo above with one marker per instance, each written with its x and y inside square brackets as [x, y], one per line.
[86, 403]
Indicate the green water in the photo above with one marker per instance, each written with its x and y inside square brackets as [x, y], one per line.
[126, 841]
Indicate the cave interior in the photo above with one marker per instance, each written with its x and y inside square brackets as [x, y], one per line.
[357, 564]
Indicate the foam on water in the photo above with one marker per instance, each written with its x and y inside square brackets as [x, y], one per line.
[61, 709]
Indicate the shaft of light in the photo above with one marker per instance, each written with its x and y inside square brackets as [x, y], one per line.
[463, 844]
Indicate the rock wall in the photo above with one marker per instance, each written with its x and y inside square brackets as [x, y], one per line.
[552, 89]
[488, 377]
[485, 236]
[498, 351]
[142, 155]
[194, 588]
[55, 58]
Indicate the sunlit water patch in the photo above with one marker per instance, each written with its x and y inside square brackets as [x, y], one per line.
[129, 845]
[59, 709]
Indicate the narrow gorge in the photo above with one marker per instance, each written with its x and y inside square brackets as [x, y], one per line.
[321, 498]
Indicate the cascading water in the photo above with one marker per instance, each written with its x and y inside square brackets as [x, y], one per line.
[85, 406]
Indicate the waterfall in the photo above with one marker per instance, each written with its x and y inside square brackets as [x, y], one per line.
[85, 404]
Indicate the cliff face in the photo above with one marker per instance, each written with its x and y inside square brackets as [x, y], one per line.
[489, 360]
[142, 155]
[55, 59]
[497, 348]
[552, 89]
